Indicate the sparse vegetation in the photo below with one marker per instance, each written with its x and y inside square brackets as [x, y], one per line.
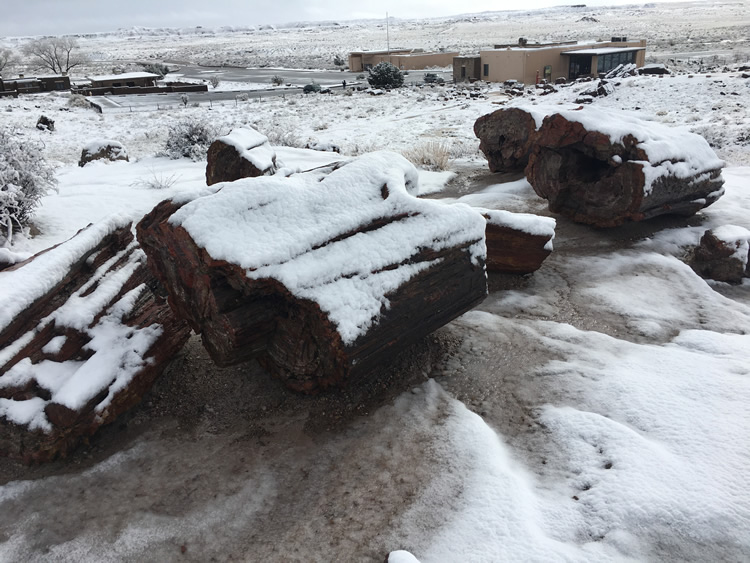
[277, 80]
[189, 138]
[25, 176]
[214, 81]
[432, 155]
[157, 181]
[156, 68]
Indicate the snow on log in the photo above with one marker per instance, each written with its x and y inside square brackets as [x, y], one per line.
[83, 335]
[244, 153]
[606, 168]
[103, 149]
[517, 243]
[323, 276]
[723, 254]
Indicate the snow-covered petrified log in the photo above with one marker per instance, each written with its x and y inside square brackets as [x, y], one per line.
[83, 334]
[322, 276]
[606, 168]
[602, 168]
[517, 243]
[505, 138]
[723, 254]
[244, 153]
[103, 149]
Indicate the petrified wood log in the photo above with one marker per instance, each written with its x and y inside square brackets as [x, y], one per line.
[322, 276]
[723, 254]
[517, 243]
[606, 168]
[506, 137]
[244, 153]
[84, 332]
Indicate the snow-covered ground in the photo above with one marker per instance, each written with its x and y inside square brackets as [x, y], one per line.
[596, 410]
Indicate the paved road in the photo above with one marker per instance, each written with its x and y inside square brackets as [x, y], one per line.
[296, 78]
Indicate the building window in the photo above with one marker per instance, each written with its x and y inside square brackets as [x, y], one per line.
[485, 70]
[605, 63]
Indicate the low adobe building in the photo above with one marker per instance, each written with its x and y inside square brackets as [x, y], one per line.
[127, 79]
[528, 63]
[22, 85]
[404, 59]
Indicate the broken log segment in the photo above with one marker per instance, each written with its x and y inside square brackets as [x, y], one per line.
[517, 243]
[506, 137]
[723, 254]
[244, 153]
[605, 168]
[322, 276]
[84, 332]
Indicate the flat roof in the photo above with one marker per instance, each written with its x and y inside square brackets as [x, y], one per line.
[123, 76]
[604, 51]
[384, 52]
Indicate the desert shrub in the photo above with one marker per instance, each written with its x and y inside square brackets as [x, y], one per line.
[78, 101]
[432, 155]
[214, 81]
[156, 68]
[189, 138]
[385, 75]
[283, 134]
[25, 176]
[157, 181]
[277, 80]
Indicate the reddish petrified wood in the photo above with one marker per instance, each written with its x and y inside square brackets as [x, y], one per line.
[517, 243]
[506, 137]
[590, 178]
[110, 279]
[722, 258]
[241, 316]
[244, 153]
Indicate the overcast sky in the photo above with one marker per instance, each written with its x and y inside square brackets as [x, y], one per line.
[57, 17]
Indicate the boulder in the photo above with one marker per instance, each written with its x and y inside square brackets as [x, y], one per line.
[723, 254]
[84, 331]
[103, 149]
[44, 123]
[322, 276]
[605, 168]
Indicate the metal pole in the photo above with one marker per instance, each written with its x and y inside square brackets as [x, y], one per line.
[387, 37]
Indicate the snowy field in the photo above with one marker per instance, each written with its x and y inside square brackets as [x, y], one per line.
[596, 410]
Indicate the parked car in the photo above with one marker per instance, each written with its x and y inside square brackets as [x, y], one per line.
[432, 78]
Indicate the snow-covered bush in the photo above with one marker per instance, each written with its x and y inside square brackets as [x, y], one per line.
[78, 101]
[25, 176]
[385, 75]
[189, 138]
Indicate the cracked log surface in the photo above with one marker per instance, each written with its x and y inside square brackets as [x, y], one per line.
[87, 334]
[362, 271]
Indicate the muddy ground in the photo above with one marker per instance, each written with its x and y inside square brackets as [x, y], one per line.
[227, 465]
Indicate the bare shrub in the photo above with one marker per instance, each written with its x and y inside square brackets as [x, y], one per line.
[214, 81]
[432, 155]
[157, 181]
[277, 80]
[283, 134]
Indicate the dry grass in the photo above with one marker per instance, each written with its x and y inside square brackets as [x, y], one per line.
[432, 155]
